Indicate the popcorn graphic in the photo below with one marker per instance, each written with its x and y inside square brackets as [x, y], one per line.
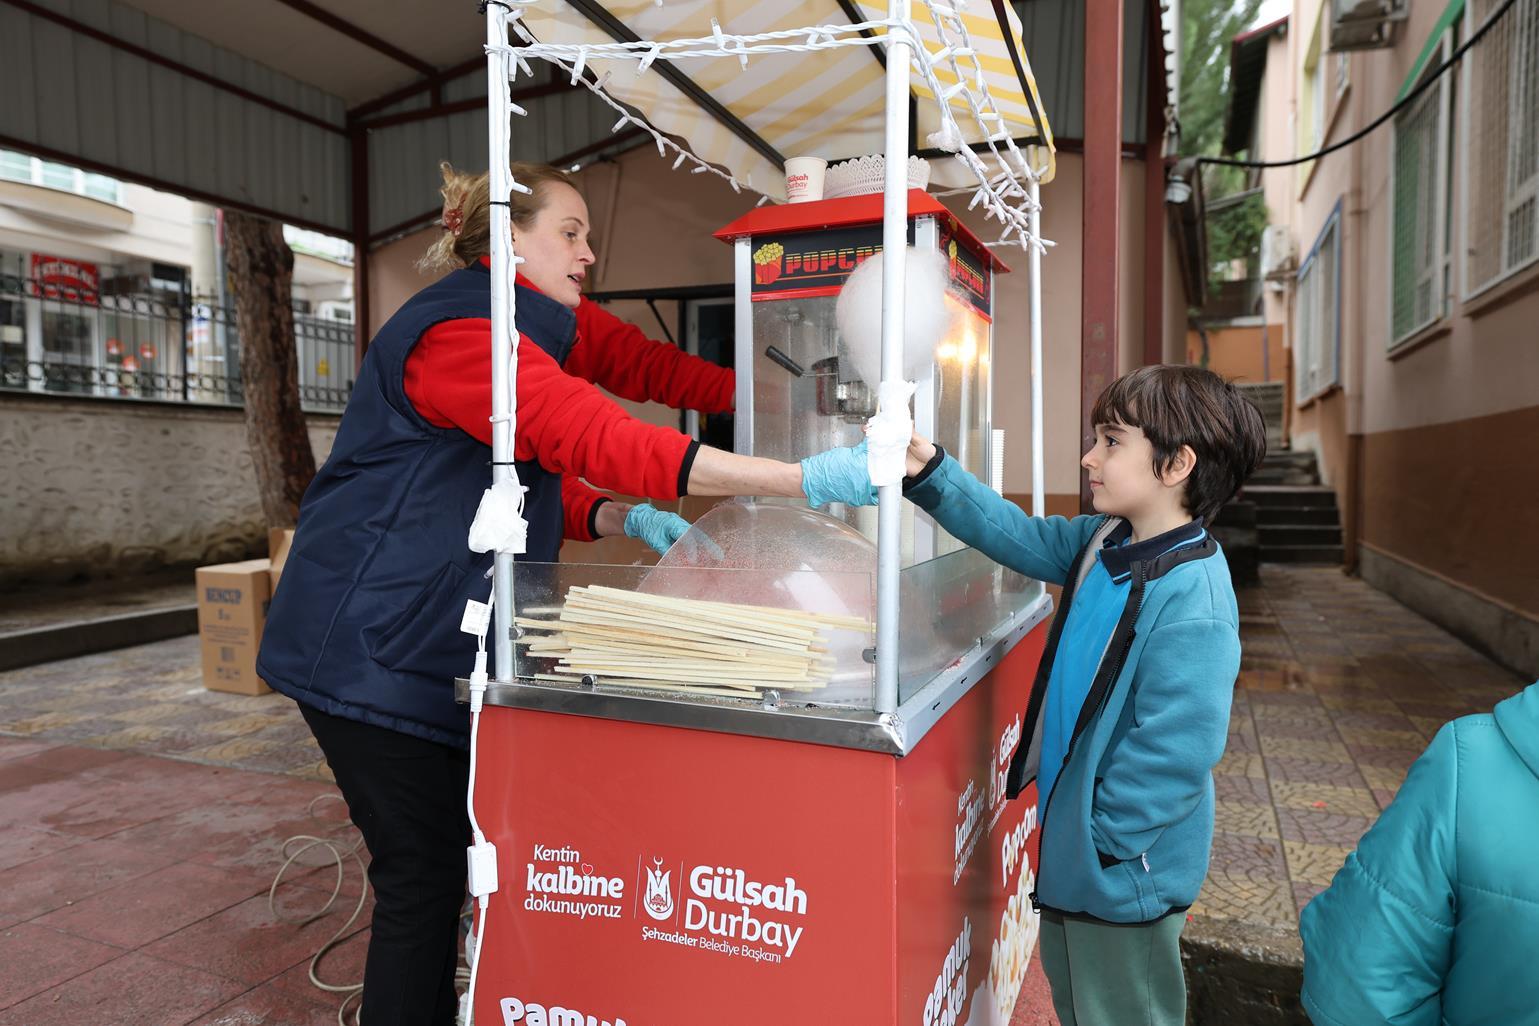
[767, 263]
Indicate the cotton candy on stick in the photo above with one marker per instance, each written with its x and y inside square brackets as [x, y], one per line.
[926, 316]
[926, 319]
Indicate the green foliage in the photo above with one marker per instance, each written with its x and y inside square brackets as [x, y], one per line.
[1207, 29]
[1234, 233]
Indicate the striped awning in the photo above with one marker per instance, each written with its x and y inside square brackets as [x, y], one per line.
[825, 103]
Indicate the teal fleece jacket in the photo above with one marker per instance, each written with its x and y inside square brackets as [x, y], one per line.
[1128, 829]
[1434, 919]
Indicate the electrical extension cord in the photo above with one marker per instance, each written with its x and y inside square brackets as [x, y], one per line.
[339, 856]
[481, 856]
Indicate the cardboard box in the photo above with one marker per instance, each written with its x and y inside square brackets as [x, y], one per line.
[232, 608]
[278, 541]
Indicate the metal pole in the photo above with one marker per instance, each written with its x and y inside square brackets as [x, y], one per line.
[894, 264]
[504, 355]
[1034, 291]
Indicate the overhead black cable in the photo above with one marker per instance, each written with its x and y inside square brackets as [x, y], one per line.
[1400, 105]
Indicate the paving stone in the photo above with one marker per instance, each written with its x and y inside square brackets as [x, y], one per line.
[133, 988]
[1314, 863]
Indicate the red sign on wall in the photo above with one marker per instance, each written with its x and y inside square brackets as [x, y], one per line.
[74, 281]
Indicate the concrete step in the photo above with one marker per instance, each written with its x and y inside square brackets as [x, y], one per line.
[1265, 495]
[68, 639]
[1291, 457]
[1284, 475]
[1242, 552]
[1236, 513]
[1297, 516]
[1273, 535]
[1301, 554]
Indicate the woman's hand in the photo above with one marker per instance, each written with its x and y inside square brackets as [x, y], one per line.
[838, 475]
[657, 527]
[920, 452]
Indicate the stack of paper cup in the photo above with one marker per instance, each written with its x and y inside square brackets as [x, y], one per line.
[804, 179]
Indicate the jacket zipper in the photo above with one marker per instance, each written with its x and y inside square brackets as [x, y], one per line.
[1127, 646]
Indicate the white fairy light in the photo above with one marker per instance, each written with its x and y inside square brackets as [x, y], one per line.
[999, 189]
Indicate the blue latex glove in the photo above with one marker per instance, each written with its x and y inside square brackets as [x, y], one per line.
[657, 527]
[838, 475]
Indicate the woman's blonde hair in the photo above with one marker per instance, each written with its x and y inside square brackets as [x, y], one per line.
[466, 217]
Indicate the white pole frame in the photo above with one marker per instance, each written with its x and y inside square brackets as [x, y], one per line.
[504, 297]
[1034, 295]
[894, 268]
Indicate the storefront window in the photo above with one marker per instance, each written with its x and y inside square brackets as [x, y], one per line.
[69, 349]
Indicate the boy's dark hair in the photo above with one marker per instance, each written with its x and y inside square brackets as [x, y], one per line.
[1177, 405]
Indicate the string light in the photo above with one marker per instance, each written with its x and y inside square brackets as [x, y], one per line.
[999, 191]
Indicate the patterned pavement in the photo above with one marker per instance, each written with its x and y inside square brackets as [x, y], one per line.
[150, 699]
[1341, 688]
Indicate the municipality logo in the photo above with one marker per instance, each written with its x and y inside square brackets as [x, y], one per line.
[658, 897]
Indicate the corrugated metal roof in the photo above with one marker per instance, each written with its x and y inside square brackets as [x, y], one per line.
[1054, 33]
[71, 96]
[403, 159]
[1247, 64]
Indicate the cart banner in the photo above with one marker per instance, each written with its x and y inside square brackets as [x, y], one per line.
[967, 858]
[658, 876]
[655, 876]
[798, 265]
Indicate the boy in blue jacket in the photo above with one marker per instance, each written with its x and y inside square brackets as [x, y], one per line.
[1130, 709]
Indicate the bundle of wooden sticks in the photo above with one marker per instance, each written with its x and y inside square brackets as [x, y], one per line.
[629, 639]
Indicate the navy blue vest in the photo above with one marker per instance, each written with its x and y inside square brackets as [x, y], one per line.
[365, 623]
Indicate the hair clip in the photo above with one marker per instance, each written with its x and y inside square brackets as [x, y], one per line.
[454, 221]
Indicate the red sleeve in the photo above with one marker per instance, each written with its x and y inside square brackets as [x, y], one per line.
[578, 504]
[566, 424]
[619, 357]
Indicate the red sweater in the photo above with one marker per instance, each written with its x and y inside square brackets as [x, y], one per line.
[563, 421]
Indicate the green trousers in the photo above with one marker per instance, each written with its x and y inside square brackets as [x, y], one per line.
[1106, 974]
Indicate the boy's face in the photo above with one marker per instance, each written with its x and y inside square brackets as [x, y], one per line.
[1122, 478]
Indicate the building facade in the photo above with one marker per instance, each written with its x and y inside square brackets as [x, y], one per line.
[1410, 295]
[120, 388]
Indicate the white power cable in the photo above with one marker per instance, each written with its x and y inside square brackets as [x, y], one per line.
[481, 857]
[339, 856]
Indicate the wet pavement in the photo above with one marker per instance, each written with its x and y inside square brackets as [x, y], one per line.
[146, 816]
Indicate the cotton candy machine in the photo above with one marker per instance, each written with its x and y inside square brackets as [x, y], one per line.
[808, 337]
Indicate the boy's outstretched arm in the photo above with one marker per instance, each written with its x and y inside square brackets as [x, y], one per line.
[1043, 547]
[1182, 690]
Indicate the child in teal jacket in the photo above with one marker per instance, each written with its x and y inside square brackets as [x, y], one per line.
[1435, 918]
[1130, 709]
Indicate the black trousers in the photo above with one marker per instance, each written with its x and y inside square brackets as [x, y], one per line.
[407, 797]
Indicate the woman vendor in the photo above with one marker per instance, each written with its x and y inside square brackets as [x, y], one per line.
[364, 632]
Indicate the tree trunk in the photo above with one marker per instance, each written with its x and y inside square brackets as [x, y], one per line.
[261, 279]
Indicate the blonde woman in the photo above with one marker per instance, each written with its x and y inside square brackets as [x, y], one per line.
[364, 632]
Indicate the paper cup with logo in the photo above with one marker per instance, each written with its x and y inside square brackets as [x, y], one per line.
[804, 179]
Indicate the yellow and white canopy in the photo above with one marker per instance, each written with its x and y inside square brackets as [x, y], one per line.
[826, 103]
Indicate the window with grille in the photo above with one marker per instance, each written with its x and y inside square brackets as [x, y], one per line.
[1502, 151]
[1317, 331]
[1419, 197]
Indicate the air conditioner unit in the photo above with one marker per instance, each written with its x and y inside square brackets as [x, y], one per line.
[335, 310]
[1277, 255]
[1366, 24]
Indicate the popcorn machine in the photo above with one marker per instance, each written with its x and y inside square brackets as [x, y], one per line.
[805, 386]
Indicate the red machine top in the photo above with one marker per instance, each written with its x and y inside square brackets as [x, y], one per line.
[849, 211]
